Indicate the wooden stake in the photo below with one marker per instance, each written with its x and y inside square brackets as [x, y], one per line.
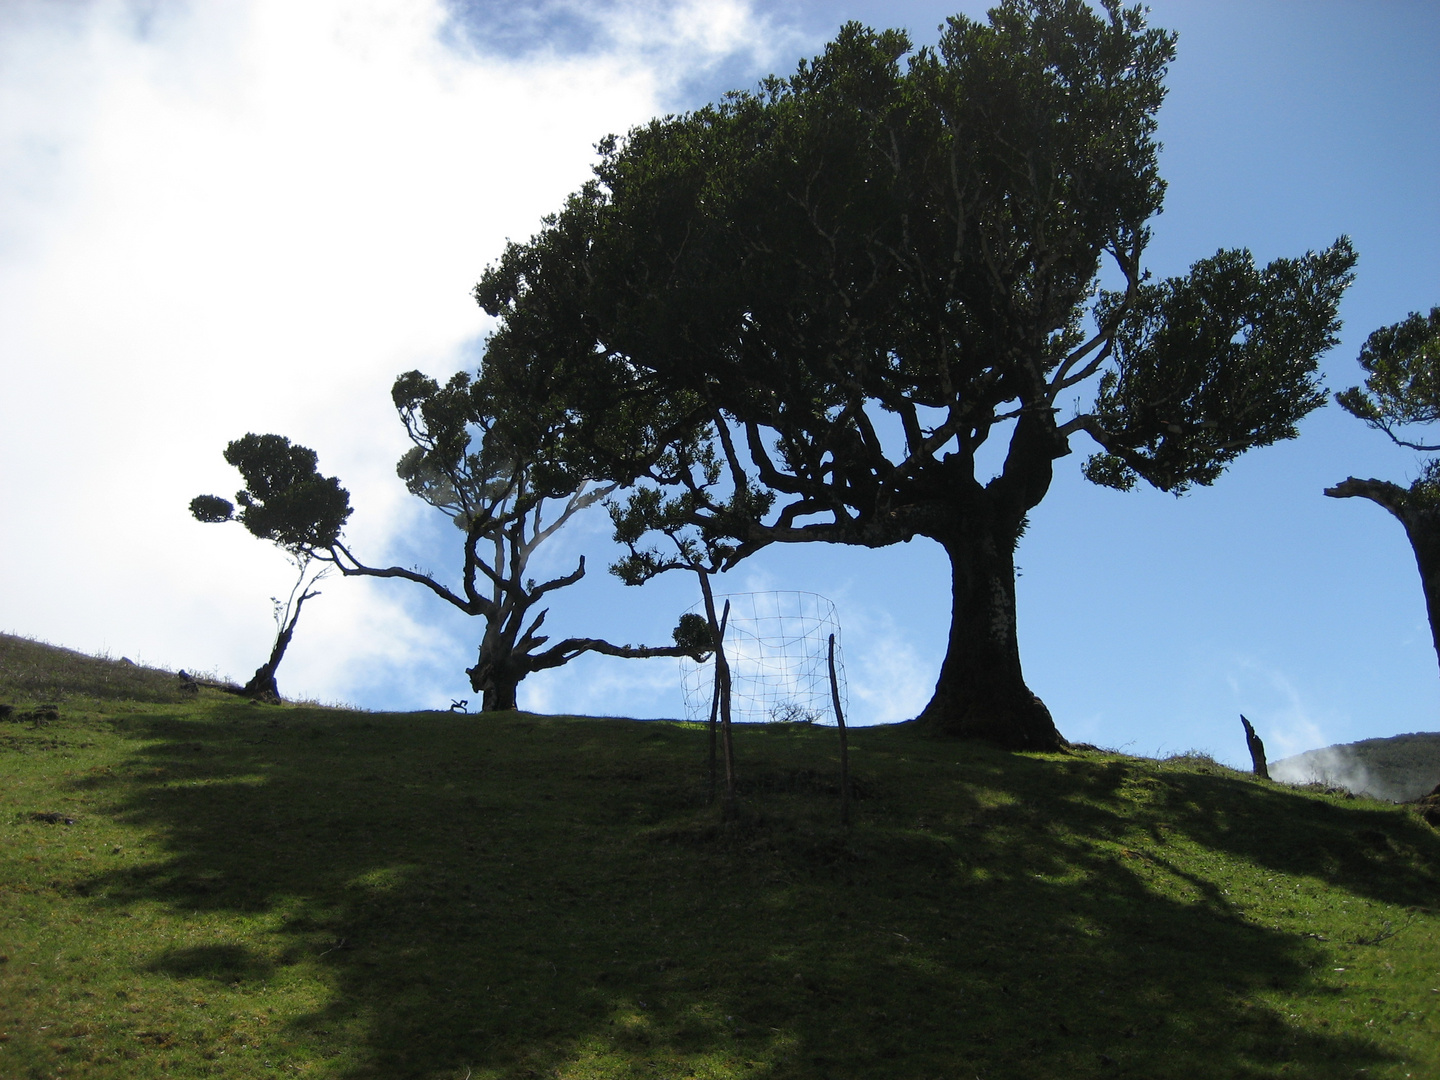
[844, 745]
[722, 694]
[719, 635]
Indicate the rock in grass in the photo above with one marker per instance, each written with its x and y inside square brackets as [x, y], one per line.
[52, 819]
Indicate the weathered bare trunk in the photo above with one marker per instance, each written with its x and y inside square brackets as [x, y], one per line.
[717, 636]
[494, 680]
[1256, 746]
[722, 694]
[262, 685]
[1416, 510]
[844, 740]
[1423, 529]
[981, 692]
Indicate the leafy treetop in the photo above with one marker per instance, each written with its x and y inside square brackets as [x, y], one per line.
[1402, 386]
[285, 499]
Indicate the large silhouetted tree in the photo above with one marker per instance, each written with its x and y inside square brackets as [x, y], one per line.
[286, 501]
[1402, 390]
[859, 275]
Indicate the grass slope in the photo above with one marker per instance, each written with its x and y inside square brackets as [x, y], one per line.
[250, 891]
[1401, 768]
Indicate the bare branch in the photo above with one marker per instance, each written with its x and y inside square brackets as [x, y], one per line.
[355, 568]
[1391, 496]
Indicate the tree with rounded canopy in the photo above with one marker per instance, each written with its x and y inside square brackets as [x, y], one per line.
[1402, 389]
[286, 501]
[856, 277]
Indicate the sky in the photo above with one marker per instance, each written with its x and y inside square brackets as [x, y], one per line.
[251, 215]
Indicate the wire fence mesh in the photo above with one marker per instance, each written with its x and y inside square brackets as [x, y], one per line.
[777, 645]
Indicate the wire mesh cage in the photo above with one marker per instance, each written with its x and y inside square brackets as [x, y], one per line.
[777, 645]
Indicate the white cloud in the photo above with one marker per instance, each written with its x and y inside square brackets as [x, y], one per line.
[710, 32]
[676, 40]
[605, 686]
[251, 216]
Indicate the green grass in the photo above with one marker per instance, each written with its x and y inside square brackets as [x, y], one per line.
[279, 891]
[39, 673]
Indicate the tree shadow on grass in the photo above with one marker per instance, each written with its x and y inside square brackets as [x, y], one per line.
[219, 963]
[528, 897]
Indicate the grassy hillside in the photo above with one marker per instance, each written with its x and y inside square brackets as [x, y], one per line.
[33, 672]
[1400, 768]
[203, 887]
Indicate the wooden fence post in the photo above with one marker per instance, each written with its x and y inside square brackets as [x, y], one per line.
[844, 746]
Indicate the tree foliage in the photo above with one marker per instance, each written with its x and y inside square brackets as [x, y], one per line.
[854, 278]
[285, 499]
[1402, 384]
[1209, 365]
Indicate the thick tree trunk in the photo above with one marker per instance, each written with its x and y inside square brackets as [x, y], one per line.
[981, 692]
[262, 685]
[500, 697]
[495, 682]
[1423, 529]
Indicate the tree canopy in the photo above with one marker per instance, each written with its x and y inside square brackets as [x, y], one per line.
[285, 499]
[1402, 384]
[850, 280]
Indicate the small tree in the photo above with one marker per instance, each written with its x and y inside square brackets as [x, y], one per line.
[506, 484]
[1402, 389]
[286, 501]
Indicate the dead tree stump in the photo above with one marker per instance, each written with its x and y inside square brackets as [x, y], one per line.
[1257, 750]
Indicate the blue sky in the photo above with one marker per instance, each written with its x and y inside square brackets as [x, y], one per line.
[252, 215]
